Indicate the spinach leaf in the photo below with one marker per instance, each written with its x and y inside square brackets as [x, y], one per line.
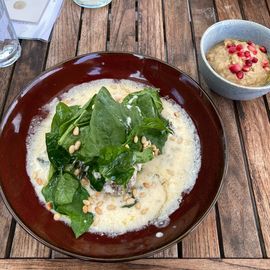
[80, 222]
[57, 155]
[65, 189]
[49, 190]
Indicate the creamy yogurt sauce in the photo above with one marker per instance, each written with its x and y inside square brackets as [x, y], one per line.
[160, 183]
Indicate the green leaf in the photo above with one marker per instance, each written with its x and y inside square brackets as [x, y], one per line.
[65, 189]
[80, 222]
[49, 190]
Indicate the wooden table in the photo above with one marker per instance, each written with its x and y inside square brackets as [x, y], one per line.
[236, 233]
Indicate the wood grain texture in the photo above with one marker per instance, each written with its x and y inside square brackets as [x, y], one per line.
[65, 34]
[5, 222]
[239, 232]
[24, 245]
[180, 48]
[156, 264]
[122, 31]
[5, 76]
[150, 27]
[28, 66]
[256, 135]
[94, 30]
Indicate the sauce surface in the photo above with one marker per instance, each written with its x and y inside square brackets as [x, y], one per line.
[160, 183]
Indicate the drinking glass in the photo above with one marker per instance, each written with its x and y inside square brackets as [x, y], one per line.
[10, 49]
[92, 3]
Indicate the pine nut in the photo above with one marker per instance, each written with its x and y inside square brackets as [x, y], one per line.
[143, 212]
[84, 182]
[146, 185]
[130, 201]
[77, 145]
[136, 139]
[39, 181]
[49, 205]
[176, 114]
[76, 131]
[77, 172]
[138, 205]
[126, 197]
[143, 140]
[86, 202]
[85, 209]
[111, 207]
[142, 194]
[97, 194]
[127, 146]
[71, 149]
[56, 216]
[99, 203]
[134, 192]
[98, 211]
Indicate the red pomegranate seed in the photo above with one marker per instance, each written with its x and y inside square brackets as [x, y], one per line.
[254, 60]
[248, 63]
[247, 54]
[249, 42]
[265, 63]
[240, 54]
[235, 68]
[232, 49]
[263, 49]
[228, 46]
[245, 68]
[239, 47]
[240, 75]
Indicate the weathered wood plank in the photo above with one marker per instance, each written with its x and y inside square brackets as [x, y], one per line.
[5, 76]
[240, 236]
[24, 245]
[94, 30]
[151, 42]
[122, 31]
[256, 135]
[65, 34]
[181, 264]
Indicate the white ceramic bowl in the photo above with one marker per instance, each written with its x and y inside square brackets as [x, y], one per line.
[235, 29]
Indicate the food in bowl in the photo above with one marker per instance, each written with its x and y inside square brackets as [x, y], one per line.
[116, 157]
[241, 62]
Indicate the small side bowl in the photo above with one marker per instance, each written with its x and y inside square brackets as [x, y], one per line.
[236, 29]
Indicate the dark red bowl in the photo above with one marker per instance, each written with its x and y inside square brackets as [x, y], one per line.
[19, 195]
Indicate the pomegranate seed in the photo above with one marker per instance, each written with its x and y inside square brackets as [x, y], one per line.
[249, 42]
[229, 45]
[255, 52]
[235, 68]
[254, 60]
[251, 48]
[245, 68]
[265, 63]
[248, 63]
[240, 75]
[232, 49]
[240, 54]
[263, 49]
[239, 47]
[247, 54]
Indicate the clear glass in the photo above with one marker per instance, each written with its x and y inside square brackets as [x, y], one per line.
[10, 49]
[92, 3]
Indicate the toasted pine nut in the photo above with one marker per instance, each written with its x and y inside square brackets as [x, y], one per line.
[126, 197]
[172, 138]
[111, 207]
[56, 216]
[143, 140]
[98, 211]
[77, 145]
[99, 203]
[146, 185]
[138, 205]
[71, 149]
[85, 209]
[134, 192]
[176, 114]
[130, 201]
[97, 194]
[86, 202]
[127, 146]
[135, 139]
[35, 174]
[154, 147]
[49, 205]
[76, 131]
[142, 194]
[143, 212]
[39, 181]
[77, 172]
[84, 182]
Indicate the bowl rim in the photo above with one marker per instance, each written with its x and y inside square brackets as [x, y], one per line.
[27, 88]
[210, 28]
